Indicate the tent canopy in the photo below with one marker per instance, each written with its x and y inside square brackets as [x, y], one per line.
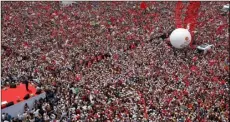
[225, 8]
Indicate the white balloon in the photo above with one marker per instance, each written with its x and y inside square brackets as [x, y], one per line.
[180, 38]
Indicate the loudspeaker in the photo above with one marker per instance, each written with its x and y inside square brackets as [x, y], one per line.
[199, 51]
[3, 106]
[12, 85]
[163, 36]
[27, 96]
[9, 104]
[18, 100]
[38, 91]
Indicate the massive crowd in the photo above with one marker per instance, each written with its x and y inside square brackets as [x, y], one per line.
[104, 61]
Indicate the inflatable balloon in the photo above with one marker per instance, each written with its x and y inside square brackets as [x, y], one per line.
[180, 38]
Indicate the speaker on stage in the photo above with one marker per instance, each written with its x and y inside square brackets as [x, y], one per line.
[38, 91]
[9, 104]
[27, 96]
[13, 85]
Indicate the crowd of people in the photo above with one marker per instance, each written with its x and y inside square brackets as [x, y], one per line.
[105, 61]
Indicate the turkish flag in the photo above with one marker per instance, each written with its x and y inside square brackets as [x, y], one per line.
[223, 82]
[212, 62]
[78, 78]
[143, 5]
[99, 57]
[194, 68]
[215, 79]
[43, 58]
[187, 120]
[132, 46]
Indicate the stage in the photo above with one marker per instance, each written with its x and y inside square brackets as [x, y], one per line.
[13, 94]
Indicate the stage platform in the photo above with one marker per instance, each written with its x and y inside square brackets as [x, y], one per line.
[13, 94]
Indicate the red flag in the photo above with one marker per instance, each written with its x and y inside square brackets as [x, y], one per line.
[212, 62]
[220, 28]
[99, 57]
[43, 57]
[222, 82]
[187, 83]
[221, 91]
[25, 44]
[81, 61]
[195, 58]
[143, 5]
[36, 70]
[53, 62]
[187, 120]
[175, 93]
[78, 78]
[115, 57]
[216, 79]
[89, 64]
[132, 46]
[190, 106]
[185, 92]
[164, 111]
[194, 68]
[169, 100]
[96, 91]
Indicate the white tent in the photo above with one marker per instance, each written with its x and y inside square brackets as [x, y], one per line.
[225, 8]
[204, 47]
[67, 3]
